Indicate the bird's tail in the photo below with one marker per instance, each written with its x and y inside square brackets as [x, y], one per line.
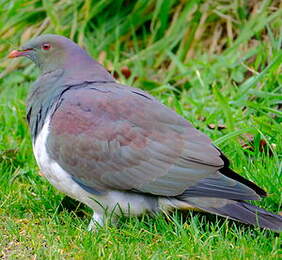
[237, 210]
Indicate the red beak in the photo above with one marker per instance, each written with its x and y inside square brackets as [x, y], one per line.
[15, 53]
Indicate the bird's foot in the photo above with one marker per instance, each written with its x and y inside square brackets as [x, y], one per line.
[99, 220]
[96, 221]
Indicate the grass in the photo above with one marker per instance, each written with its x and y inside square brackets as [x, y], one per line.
[214, 62]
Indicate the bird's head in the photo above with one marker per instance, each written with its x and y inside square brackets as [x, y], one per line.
[51, 52]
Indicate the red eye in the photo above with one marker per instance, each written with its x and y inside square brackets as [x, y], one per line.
[46, 46]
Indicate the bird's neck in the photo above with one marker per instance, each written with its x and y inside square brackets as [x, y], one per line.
[42, 97]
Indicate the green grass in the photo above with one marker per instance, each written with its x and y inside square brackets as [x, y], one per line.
[214, 62]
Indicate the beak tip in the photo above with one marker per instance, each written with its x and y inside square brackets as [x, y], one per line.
[13, 54]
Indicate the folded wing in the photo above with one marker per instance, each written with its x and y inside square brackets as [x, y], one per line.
[116, 137]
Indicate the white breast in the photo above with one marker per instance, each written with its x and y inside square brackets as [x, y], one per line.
[52, 170]
[133, 204]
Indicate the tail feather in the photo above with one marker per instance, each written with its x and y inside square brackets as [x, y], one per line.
[238, 210]
[235, 176]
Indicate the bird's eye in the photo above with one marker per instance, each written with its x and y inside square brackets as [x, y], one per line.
[46, 46]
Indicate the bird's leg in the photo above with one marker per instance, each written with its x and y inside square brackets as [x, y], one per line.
[97, 220]
[101, 220]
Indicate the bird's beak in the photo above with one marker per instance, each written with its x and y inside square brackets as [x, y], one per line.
[15, 53]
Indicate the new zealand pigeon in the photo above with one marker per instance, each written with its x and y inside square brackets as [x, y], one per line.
[119, 150]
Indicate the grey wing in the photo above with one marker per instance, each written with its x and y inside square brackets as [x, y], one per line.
[118, 138]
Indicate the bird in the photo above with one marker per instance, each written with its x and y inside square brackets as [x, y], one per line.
[119, 150]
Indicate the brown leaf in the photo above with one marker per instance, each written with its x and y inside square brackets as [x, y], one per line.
[126, 72]
[246, 141]
[115, 74]
[221, 126]
[218, 127]
[211, 126]
[264, 148]
[262, 145]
